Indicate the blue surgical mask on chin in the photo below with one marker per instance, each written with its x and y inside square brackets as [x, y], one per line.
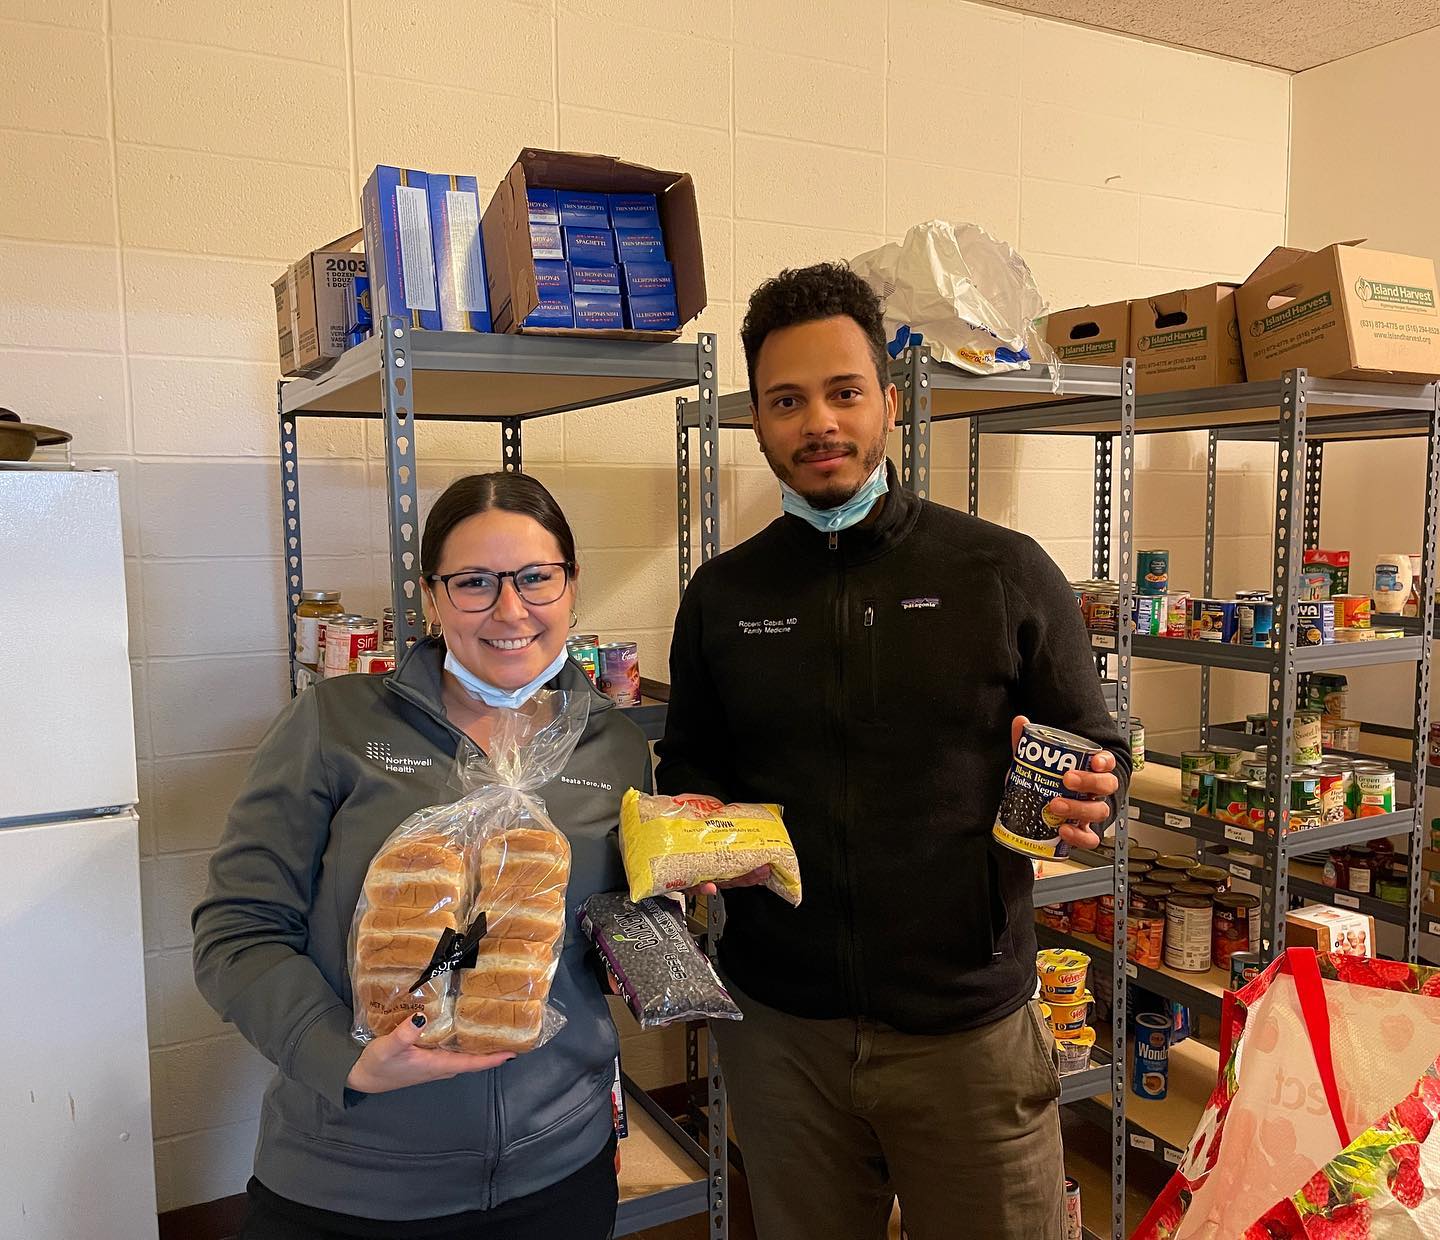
[830, 520]
[509, 699]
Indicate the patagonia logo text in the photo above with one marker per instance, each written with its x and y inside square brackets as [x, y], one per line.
[919, 604]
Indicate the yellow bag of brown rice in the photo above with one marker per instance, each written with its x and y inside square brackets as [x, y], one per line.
[669, 845]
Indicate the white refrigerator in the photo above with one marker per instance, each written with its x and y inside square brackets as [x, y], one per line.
[76, 1158]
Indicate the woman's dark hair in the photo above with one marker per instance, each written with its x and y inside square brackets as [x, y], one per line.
[477, 493]
[805, 294]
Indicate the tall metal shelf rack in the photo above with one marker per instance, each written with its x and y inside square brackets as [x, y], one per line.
[1299, 415]
[404, 377]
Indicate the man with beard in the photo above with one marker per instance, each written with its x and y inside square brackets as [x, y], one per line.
[867, 662]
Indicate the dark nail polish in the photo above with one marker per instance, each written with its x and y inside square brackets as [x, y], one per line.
[418, 1020]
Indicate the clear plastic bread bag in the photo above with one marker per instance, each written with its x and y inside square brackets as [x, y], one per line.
[462, 915]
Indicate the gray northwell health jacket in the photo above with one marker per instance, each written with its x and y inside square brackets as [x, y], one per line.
[338, 771]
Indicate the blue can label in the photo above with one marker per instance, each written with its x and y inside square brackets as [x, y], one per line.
[1151, 1077]
[1042, 759]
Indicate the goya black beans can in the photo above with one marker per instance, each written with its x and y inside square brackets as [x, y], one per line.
[1036, 776]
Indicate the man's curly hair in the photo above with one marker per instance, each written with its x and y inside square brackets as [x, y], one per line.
[805, 294]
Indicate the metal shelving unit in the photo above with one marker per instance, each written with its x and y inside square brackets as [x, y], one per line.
[404, 377]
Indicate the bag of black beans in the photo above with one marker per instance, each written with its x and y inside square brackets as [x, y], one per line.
[663, 976]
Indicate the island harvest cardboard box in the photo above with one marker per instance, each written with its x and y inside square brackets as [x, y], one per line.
[1186, 339]
[1342, 313]
[310, 301]
[510, 260]
[1090, 335]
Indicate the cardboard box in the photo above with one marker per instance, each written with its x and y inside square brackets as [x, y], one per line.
[1342, 313]
[579, 209]
[1186, 339]
[589, 245]
[634, 211]
[553, 307]
[1091, 335]
[598, 311]
[462, 290]
[595, 278]
[312, 300]
[1329, 929]
[507, 235]
[399, 251]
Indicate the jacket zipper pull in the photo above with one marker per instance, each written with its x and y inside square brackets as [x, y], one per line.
[869, 617]
[834, 540]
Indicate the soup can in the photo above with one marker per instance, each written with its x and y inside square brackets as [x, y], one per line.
[1307, 748]
[1137, 744]
[1330, 794]
[617, 672]
[1212, 876]
[1224, 760]
[1177, 614]
[1376, 792]
[1148, 897]
[1256, 622]
[1176, 861]
[346, 637]
[1146, 935]
[1230, 928]
[1207, 619]
[1352, 611]
[1074, 1228]
[1187, 933]
[1152, 572]
[1244, 969]
[1152, 1056]
[376, 662]
[1167, 878]
[1316, 622]
[1105, 918]
[1084, 915]
[584, 648]
[1043, 757]
[1253, 768]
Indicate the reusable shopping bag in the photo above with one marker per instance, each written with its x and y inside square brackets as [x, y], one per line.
[1322, 1122]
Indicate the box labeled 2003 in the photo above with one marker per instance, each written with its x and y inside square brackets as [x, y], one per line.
[511, 261]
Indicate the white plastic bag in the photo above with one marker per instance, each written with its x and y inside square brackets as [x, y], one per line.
[462, 916]
[972, 298]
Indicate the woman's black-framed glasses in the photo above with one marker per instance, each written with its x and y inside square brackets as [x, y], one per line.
[478, 589]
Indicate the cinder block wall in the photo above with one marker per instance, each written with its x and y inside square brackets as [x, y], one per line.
[163, 160]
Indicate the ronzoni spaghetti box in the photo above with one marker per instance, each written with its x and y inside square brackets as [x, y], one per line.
[1342, 313]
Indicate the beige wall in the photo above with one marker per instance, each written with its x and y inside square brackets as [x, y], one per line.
[163, 160]
[1365, 162]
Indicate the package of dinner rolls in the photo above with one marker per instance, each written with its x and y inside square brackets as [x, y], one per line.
[462, 914]
[671, 844]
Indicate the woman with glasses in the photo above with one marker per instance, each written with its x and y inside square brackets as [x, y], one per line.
[394, 1139]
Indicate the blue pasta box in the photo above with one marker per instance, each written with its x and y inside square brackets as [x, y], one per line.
[598, 311]
[463, 295]
[594, 246]
[640, 245]
[552, 283]
[652, 314]
[546, 243]
[583, 210]
[543, 205]
[399, 254]
[634, 211]
[595, 278]
[648, 280]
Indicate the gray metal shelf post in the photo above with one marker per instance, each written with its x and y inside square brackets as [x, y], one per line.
[1281, 698]
[510, 459]
[1100, 519]
[1212, 457]
[290, 524]
[1314, 474]
[915, 403]
[1119, 1017]
[974, 471]
[398, 389]
[1419, 754]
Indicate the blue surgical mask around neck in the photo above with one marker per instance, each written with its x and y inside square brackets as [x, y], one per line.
[830, 520]
[509, 699]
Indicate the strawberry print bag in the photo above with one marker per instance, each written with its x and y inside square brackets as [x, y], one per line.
[1322, 1123]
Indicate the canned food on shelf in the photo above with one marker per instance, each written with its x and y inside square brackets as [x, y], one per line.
[314, 608]
[346, 638]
